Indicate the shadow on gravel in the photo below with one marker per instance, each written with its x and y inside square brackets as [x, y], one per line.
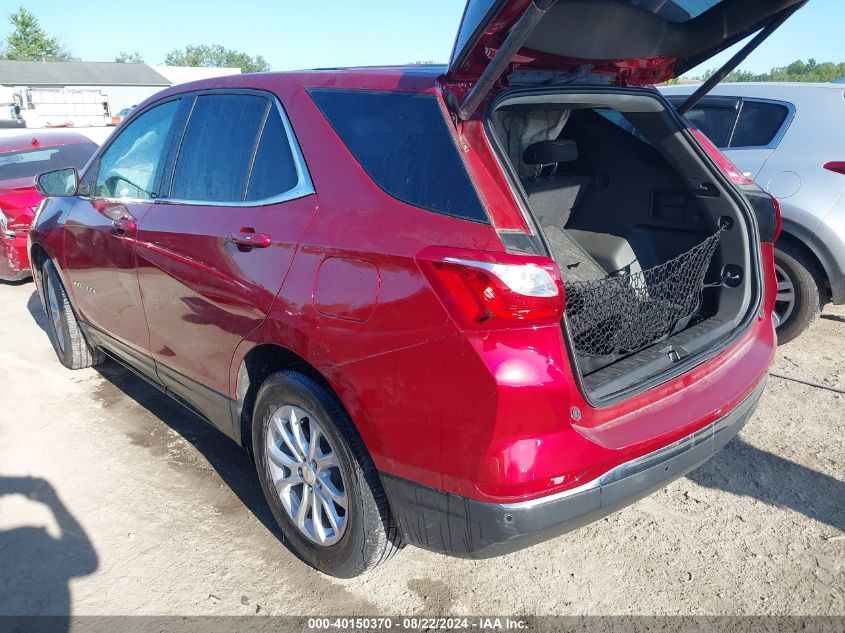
[229, 461]
[834, 317]
[33, 304]
[36, 566]
[742, 469]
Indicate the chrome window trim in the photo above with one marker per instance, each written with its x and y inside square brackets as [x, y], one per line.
[120, 200]
[304, 186]
[292, 194]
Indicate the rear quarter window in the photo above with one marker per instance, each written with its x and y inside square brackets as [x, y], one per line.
[273, 171]
[403, 142]
[758, 124]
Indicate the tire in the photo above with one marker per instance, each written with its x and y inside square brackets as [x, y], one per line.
[68, 341]
[798, 273]
[368, 535]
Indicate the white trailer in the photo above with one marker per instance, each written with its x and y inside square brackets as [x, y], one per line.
[66, 107]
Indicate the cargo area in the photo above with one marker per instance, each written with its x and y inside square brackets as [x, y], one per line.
[653, 245]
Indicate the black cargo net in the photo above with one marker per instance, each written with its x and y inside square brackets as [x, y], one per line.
[627, 312]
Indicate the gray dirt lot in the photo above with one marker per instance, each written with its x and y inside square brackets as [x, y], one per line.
[156, 513]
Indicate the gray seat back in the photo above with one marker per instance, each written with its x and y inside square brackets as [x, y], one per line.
[551, 193]
[553, 198]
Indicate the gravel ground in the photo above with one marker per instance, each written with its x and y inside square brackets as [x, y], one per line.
[113, 500]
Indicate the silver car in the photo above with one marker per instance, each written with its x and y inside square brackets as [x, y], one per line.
[790, 138]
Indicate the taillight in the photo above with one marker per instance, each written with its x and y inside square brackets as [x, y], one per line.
[767, 211]
[484, 290]
[837, 166]
[729, 169]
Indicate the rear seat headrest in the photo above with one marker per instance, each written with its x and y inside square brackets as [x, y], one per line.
[548, 152]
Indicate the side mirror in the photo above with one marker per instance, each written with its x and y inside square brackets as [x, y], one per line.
[58, 184]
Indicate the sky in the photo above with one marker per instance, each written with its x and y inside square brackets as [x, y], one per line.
[324, 33]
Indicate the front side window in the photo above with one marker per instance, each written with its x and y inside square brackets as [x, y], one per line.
[217, 148]
[129, 166]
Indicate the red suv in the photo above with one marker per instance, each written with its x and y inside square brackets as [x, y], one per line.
[468, 308]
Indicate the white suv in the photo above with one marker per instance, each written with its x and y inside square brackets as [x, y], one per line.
[790, 138]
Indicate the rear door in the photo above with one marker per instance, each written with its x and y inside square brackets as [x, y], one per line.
[214, 251]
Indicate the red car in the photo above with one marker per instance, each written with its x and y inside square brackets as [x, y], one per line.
[22, 157]
[468, 308]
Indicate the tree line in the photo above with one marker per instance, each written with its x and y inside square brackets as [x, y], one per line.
[799, 70]
[28, 41]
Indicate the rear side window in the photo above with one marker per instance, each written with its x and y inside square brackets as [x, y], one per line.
[403, 142]
[217, 148]
[716, 122]
[758, 123]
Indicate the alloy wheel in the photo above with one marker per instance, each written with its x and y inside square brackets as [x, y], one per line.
[785, 300]
[305, 471]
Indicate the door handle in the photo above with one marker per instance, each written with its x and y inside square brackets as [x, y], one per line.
[247, 239]
[122, 221]
[122, 226]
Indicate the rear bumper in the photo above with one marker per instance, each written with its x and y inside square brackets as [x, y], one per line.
[467, 528]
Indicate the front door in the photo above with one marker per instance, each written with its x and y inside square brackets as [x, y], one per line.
[213, 253]
[101, 232]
